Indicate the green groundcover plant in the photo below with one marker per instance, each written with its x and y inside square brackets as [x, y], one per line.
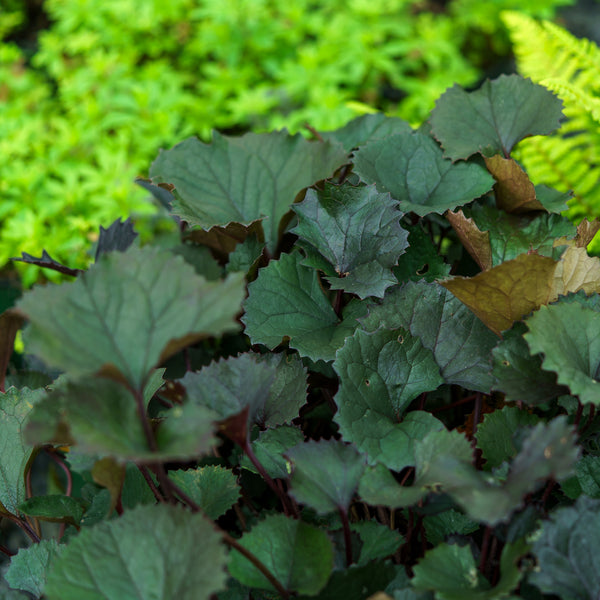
[364, 364]
[89, 91]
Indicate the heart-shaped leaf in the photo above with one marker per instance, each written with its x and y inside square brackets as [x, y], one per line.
[140, 558]
[299, 555]
[459, 341]
[576, 358]
[287, 301]
[256, 176]
[381, 373]
[129, 312]
[492, 119]
[411, 167]
[325, 474]
[357, 231]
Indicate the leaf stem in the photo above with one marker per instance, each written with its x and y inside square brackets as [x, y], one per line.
[288, 509]
[233, 542]
[24, 525]
[61, 463]
[337, 303]
[150, 482]
[454, 404]
[485, 544]
[257, 563]
[578, 413]
[347, 535]
[477, 412]
[143, 416]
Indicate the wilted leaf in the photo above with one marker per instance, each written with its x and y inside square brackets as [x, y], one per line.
[244, 179]
[586, 230]
[119, 236]
[47, 262]
[492, 119]
[411, 167]
[300, 556]
[507, 292]
[150, 553]
[476, 242]
[357, 231]
[127, 313]
[287, 301]
[576, 271]
[513, 189]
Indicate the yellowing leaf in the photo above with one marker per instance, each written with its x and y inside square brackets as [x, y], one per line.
[508, 292]
[514, 191]
[576, 271]
[586, 230]
[475, 241]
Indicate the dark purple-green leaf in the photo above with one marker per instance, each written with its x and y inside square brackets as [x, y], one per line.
[492, 119]
[411, 167]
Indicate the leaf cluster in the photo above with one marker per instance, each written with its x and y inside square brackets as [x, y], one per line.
[366, 364]
[88, 95]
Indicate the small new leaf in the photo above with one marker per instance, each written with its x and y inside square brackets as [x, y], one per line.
[357, 231]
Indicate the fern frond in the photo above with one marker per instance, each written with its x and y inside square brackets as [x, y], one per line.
[570, 67]
[575, 95]
[545, 50]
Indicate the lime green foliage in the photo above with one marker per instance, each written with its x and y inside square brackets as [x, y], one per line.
[110, 83]
[569, 159]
